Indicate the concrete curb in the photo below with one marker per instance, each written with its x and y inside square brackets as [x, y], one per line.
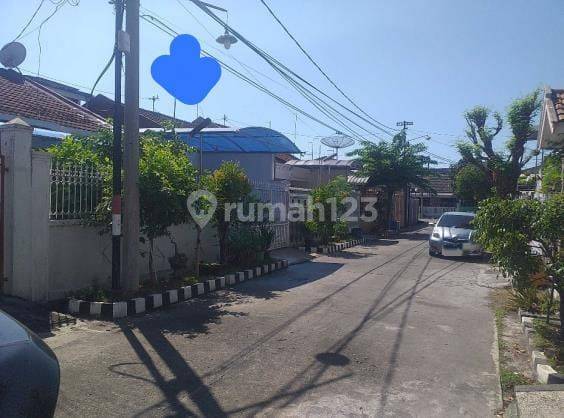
[335, 247]
[115, 310]
[543, 372]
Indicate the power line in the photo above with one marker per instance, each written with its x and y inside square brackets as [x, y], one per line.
[58, 80]
[301, 89]
[58, 5]
[282, 132]
[30, 20]
[320, 69]
[238, 74]
[277, 65]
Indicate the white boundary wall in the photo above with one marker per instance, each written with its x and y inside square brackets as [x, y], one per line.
[43, 259]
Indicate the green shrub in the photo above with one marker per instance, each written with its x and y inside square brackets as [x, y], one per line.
[93, 293]
[321, 223]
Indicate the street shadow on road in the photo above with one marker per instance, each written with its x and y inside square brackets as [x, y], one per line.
[185, 380]
[349, 255]
[189, 318]
[384, 242]
[33, 315]
[271, 286]
[415, 236]
[294, 389]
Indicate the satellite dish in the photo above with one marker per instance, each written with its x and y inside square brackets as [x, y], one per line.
[12, 54]
[337, 141]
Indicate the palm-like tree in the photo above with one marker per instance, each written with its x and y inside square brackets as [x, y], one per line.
[394, 165]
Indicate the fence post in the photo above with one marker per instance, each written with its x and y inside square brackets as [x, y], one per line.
[15, 139]
[41, 190]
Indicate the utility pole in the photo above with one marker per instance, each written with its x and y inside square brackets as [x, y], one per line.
[224, 120]
[153, 99]
[404, 124]
[131, 150]
[117, 154]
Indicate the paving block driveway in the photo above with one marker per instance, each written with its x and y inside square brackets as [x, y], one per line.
[380, 329]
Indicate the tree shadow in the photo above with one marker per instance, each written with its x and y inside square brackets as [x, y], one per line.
[189, 318]
[269, 287]
[314, 372]
[199, 313]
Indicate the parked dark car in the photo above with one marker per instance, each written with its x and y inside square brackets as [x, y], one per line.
[29, 372]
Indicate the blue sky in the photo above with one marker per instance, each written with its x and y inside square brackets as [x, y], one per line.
[425, 61]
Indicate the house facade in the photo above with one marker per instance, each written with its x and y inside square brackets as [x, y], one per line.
[550, 138]
[434, 204]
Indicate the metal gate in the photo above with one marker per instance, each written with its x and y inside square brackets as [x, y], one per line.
[275, 192]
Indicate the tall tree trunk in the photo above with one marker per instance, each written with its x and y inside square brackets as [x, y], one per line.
[152, 273]
[389, 206]
[197, 258]
[222, 238]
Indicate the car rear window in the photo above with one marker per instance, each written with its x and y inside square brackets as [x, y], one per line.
[456, 221]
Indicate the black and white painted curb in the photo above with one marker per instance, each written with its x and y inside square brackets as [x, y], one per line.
[109, 310]
[336, 247]
[544, 373]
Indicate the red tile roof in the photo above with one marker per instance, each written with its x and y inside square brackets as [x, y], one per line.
[27, 99]
[557, 97]
[104, 107]
[441, 180]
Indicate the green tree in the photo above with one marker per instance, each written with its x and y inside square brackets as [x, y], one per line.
[552, 169]
[471, 185]
[166, 178]
[394, 165]
[230, 185]
[326, 199]
[502, 168]
[524, 237]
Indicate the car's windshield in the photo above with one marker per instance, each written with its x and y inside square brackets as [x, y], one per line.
[456, 221]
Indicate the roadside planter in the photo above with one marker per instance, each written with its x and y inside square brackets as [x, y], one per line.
[543, 372]
[332, 248]
[115, 310]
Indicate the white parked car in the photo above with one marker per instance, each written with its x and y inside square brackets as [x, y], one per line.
[452, 236]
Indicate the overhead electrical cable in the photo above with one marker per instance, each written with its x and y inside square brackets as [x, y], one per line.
[277, 64]
[29, 21]
[172, 33]
[308, 95]
[351, 101]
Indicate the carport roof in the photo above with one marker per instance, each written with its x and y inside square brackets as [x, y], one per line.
[246, 140]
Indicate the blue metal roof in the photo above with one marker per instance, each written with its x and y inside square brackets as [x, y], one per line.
[252, 140]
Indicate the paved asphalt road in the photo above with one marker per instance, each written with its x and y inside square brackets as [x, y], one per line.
[377, 330]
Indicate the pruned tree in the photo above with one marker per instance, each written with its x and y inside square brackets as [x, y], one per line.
[502, 168]
[471, 185]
